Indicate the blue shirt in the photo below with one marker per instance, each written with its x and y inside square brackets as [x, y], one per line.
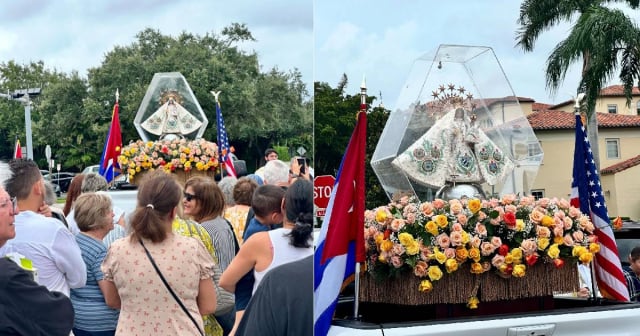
[633, 283]
[253, 227]
[91, 311]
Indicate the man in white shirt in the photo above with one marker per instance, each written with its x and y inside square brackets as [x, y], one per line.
[45, 241]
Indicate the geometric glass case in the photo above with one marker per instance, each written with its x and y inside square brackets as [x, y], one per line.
[170, 110]
[470, 76]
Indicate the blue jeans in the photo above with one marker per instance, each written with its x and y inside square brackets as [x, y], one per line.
[80, 332]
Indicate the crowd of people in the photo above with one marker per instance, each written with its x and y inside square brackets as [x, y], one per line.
[203, 258]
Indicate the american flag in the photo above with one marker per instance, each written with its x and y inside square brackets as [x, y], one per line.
[223, 142]
[586, 194]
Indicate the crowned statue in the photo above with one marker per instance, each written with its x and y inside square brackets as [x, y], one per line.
[171, 119]
[455, 152]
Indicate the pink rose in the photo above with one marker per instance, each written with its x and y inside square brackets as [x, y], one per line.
[475, 241]
[426, 208]
[420, 270]
[450, 253]
[369, 215]
[481, 230]
[564, 204]
[568, 240]
[438, 203]
[544, 202]
[526, 201]
[528, 246]
[558, 231]
[443, 240]
[462, 219]
[508, 199]
[543, 231]
[536, 216]
[496, 241]
[409, 209]
[398, 249]
[456, 238]
[456, 227]
[510, 208]
[455, 207]
[574, 212]
[396, 261]
[568, 223]
[411, 218]
[404, 200]
[578, 236]
[559, 214]
[481, 215]
[397, 224]
[486, 248]
[497, 261]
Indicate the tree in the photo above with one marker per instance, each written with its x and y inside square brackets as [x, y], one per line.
[602, 37]
[335, 118]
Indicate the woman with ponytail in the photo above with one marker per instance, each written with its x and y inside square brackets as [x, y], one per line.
[146, 304]
[265, 250]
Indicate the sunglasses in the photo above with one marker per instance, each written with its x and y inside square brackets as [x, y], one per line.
[14, 204]
[189, 197]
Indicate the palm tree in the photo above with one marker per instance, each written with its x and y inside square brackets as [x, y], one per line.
[602, 37]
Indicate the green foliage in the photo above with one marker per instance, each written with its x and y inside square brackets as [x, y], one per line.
[335, 118]
[73, 114]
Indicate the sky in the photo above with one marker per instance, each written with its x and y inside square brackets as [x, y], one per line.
[70, 35]
[380, 40]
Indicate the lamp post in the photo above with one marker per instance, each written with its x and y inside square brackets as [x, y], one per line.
[24, 96]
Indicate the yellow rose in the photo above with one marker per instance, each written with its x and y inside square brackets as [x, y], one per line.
[586, 257]
[594, 247]
[517, 254]
[547, 221]
[578, 250]
[519, 225]
[382, 259]
[465, 237]
[381, 216]
[432, 228]
[473, 302]
[440, 257]
[425, 286]
[474, 253]
[451, 265]
[413, 249]
[474, 205]
[543, 243]
[508, 259]
[462, 254]
[137, 169]
[405, 239]
[441, 220]
[519, 270]
[554, 251]
[434, 273]
[386, 245]
[559, 240]
[379, 238]
[476, 268]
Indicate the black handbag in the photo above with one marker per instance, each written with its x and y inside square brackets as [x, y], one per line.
[169, 288]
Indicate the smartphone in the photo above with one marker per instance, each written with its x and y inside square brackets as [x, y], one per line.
[302, 164]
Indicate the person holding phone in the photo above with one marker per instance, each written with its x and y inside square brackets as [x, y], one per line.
[298, 169]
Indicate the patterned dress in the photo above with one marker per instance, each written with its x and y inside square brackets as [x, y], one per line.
[237, 216]
[147, 307]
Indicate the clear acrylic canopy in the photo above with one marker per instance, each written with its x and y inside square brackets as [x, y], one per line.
[478, 72]
[191, 121]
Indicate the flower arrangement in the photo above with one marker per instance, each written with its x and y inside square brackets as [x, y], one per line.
[169, 155]
[508, 236]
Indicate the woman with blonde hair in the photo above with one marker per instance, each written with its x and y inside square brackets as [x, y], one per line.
[161, 281]
[237, 214]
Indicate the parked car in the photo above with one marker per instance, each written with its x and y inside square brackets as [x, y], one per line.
[62, 179]
[91, 169]
[627, 238]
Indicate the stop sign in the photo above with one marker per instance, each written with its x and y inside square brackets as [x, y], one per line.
[322, 187]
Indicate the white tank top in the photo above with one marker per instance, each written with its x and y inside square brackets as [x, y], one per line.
[283, 252]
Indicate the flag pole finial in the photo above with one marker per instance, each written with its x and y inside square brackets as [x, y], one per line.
[215, 95]
[117, 95]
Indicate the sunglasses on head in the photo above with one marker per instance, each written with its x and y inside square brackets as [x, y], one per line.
[189, 197]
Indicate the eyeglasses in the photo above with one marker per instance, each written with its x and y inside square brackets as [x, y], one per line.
[189, 197]
[14, 204]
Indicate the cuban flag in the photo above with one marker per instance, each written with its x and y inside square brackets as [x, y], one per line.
[17, 151]
[341, 241]
[586, 194]
[109, 167]
[223, 142]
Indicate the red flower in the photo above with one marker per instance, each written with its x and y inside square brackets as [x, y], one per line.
[509, 269]
[387, 233]
[558, 263]
[510, 219]
[165, 149]
[503, 250]
[531, 259]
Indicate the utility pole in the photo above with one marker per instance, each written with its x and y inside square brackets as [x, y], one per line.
[24, 96]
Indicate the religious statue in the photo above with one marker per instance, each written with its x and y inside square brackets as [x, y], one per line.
[454, 151]
[171, 119]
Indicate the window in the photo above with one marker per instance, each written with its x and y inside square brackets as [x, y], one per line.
[638, 107]
[613, 148]
[533, 148]
[612, 108]
[537, 193]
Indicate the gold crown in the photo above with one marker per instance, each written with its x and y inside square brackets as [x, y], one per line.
[447, 98]
[168, 94]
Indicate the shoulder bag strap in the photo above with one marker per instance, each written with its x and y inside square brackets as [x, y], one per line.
[169, 288]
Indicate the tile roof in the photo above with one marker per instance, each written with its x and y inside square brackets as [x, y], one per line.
[551, 119]
[540, 107]
[618, 167]
[617, 90]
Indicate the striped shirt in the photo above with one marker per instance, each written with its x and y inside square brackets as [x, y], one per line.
[633, 283]
[91, 311]
[223, 240]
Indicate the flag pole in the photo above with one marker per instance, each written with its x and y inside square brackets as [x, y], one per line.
[216, 94]
[113, 165]
[356, 301]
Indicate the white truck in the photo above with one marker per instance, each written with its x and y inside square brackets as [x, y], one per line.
[547, 316]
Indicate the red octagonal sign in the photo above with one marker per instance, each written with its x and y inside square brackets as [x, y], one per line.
[322, 187]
